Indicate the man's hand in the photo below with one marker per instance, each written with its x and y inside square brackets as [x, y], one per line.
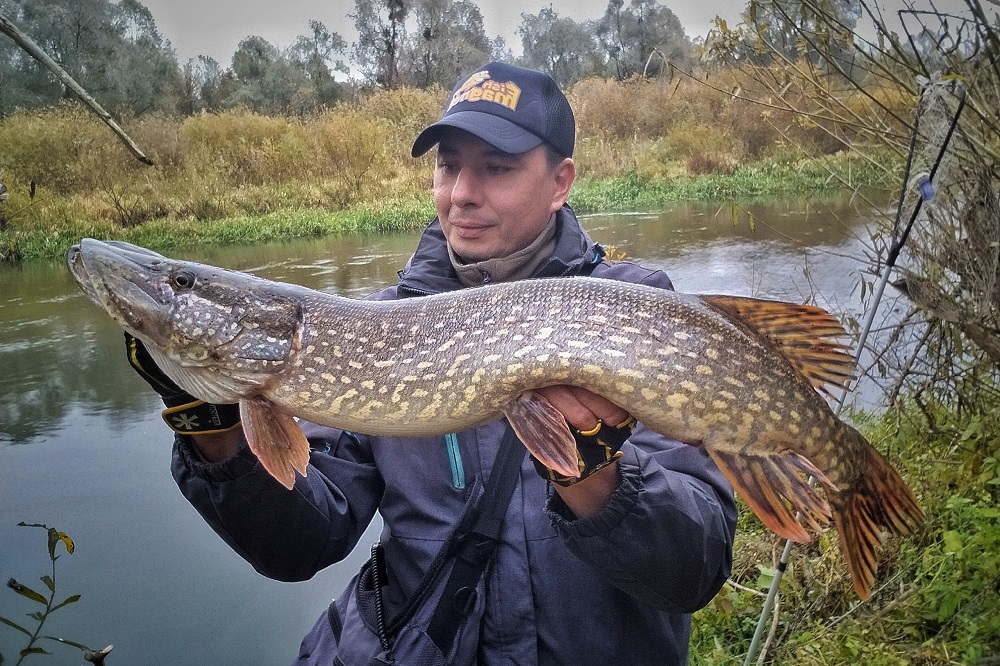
[213, 427]
[600, 427]
[583, 410]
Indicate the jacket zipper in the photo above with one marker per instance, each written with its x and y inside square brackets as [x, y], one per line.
[455, 459]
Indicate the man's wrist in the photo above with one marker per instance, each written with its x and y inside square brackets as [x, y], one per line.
[217, 447]
[198, 417]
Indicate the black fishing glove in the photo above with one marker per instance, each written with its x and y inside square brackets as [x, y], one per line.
[184, 413]
[595, 450]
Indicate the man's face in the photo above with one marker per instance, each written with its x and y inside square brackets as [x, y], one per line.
[490, 203]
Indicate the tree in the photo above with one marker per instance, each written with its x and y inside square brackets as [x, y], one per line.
[143, 65]
[113, 50]
[315, 55]
[448, 42]
[794, 29]
[381, 28]
[264, 79]
[201, 86]
[561, 47]
[635, 35]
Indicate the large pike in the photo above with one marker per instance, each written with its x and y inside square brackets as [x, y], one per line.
[737, 376]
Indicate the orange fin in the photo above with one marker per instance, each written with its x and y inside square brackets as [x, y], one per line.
[543, 430]
[275, 438]
[879, 501]
[773, 487]
[801, 333]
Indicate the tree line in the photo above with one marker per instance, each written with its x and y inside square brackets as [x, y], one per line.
[116, 51]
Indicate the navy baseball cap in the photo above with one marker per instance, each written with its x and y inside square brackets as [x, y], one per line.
[512, 108]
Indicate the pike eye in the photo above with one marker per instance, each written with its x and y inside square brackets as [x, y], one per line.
[183, 281]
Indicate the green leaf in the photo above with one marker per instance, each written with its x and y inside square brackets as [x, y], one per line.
[952, 541]
[72, 599]
[79, 646]
[33, 650]
[26, 592]
[49, 583]
[14, 625]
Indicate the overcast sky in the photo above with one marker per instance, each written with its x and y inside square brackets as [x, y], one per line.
[216, 27]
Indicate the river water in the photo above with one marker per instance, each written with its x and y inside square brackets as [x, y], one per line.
[82, 447]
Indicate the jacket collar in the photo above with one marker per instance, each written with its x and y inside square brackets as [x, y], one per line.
[430, 271]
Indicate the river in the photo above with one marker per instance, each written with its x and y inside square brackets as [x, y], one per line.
[82, 447]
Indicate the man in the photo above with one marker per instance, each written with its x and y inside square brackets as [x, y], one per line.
[606, 569]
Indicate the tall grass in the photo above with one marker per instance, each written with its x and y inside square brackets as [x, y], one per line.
[640, 143]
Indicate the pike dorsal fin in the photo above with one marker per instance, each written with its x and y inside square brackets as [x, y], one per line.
[803, 334]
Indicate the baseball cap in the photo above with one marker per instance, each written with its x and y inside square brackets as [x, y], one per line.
[512, 108]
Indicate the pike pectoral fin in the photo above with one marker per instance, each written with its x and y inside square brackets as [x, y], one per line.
[543, 430]
[275, 438]
[773, 487]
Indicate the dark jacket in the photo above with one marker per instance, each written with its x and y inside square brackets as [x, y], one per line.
[618, 587]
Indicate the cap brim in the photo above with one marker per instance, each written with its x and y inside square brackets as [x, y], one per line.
[494, 130]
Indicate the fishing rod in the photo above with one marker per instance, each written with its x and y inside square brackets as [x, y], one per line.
[925, 188]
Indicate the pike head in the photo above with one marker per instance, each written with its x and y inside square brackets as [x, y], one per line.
[220, 335]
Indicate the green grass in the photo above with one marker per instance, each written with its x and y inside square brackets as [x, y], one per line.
[937, 594]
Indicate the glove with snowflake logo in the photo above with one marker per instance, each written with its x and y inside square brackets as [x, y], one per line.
[184, 413]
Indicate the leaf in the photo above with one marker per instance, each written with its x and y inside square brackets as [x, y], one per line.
[79, 646]
[952, 541]
[55, 536]
[67, 542]
[49, 583]
[14, 625]
[33, 650]
[26, 592]
[72, 599]
[765, 578]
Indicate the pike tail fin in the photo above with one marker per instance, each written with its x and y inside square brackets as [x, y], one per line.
[878, 501]
[774, 487]
[275, 438]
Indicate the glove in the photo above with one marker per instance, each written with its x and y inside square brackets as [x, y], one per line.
[184, 413]
[595, 450]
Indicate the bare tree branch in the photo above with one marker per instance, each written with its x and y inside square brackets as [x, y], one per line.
[8, 28]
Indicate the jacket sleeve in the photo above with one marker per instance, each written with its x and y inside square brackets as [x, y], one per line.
[666, 535]
[284, 534]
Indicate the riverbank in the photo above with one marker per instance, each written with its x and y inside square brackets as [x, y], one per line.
[412, 208]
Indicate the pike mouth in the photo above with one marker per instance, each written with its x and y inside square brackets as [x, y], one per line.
[122, 279]
[78, 269]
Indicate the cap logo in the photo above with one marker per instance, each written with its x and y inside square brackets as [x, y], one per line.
[481, 88]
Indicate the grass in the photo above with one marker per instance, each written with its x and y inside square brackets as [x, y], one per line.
[937, 596]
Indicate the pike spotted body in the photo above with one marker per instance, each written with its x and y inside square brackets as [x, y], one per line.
[736, 376]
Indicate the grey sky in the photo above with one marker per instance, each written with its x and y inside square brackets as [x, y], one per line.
[216, 27]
